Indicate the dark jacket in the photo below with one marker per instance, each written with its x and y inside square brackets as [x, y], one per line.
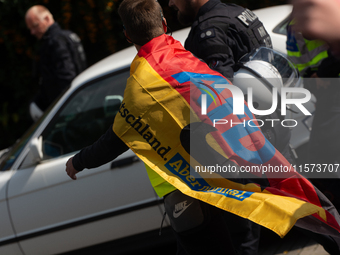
[57, 69]
[223, 33]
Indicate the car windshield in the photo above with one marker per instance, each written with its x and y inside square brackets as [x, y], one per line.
[282, 27]
[81, 120]
[8, 158]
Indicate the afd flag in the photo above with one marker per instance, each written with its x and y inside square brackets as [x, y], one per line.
[161, 120]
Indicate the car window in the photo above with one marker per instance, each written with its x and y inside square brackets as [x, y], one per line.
[281, 28]
[87, 115]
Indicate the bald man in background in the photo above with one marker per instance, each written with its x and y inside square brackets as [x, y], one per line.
[62, 57]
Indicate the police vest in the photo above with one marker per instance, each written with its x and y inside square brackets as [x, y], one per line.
[304, 54]
[241, 23]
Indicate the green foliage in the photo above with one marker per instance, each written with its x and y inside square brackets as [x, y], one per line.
[95, 21]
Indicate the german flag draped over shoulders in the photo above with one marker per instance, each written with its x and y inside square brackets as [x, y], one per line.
[161, 120]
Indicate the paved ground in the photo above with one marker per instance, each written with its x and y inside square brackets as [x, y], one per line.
[294, 243]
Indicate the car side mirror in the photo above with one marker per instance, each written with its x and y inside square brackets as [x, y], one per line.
[34, 154]
[112, 104]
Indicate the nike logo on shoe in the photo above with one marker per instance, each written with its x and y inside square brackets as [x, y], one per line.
[180, 208]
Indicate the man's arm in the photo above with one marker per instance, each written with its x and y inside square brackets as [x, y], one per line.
[222, 63]
[105, 149]
[213, 49]
[57, 71]
[64, 67]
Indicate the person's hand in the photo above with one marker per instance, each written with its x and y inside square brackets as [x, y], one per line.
[70, 170]
[318, 19]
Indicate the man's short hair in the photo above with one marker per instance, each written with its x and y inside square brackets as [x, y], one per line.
[142, 20]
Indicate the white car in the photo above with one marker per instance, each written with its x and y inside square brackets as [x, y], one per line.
[275, 20]
[42, 210]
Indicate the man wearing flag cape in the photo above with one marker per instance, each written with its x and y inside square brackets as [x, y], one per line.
[161, 120]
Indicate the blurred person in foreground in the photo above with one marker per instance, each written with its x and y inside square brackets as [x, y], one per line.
[62, 58]
[319, 19]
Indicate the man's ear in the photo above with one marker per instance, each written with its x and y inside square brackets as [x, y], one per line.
[47, 18]
[127, 37]
[165, 27]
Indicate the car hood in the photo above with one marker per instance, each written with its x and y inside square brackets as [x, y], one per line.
[118, 60]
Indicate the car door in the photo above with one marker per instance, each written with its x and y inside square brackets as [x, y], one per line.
[6, 234]
[52, 213]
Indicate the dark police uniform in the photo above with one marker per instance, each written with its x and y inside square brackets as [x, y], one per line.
[61, 58]
[221, 35]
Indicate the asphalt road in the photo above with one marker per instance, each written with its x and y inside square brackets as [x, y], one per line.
[294, 243]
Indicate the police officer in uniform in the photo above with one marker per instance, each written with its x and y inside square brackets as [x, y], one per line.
[220, 35]
[223, 33]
